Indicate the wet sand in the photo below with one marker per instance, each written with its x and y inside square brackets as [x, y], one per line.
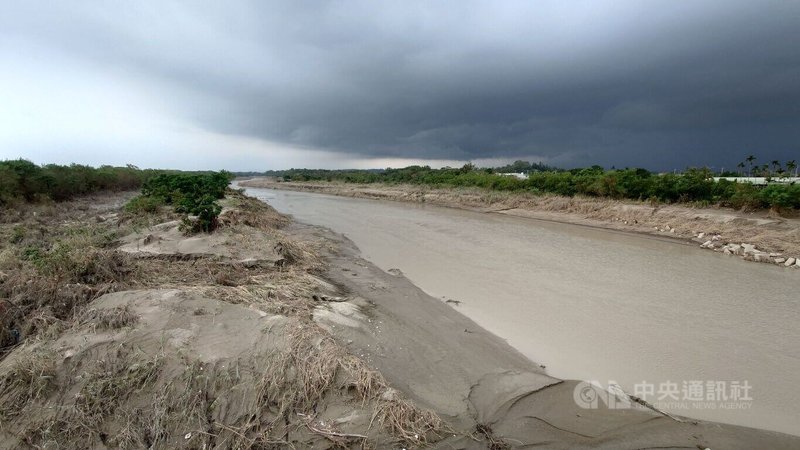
[591, 304]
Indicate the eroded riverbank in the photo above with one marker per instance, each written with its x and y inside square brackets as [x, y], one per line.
[589, 303]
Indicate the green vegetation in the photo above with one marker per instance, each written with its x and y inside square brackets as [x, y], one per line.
[693, 185]
[24, 181]
[191, 194]
[144, 205]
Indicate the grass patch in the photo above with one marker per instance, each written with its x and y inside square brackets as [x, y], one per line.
[403, 419]
[297, 253]
[31, 377]
[298, 379]
[96, 416]
[109, 318]
[110, 383]
[144, 205]
[251, 212]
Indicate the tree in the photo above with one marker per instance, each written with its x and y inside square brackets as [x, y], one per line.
[750, 160]
[741, 168]
[792, 166]
[776, 166]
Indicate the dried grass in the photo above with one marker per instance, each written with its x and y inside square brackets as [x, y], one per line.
[8, 259]
[297, 253]
[411, 424]
[492, 441]
[109, 318]
[365, 382]
[55, 430]
[111, 382]
[39, 306]
[179, 410]
[293, 383]
[51, 276]
[107, 386]
[288, 292]
[31, 377]
[297, 379]
[251, 212]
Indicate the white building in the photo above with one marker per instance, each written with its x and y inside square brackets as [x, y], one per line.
[520, 175]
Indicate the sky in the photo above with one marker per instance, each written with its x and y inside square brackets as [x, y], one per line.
[259, 85]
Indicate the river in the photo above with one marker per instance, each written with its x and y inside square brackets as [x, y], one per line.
[595, 304]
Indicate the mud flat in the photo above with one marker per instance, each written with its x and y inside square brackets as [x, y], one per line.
[204, 342]
[761, 236]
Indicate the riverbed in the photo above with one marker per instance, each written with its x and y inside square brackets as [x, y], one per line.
[593, 304]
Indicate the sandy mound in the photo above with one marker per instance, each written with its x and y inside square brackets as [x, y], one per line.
[240, 244]
[174, 369]
[136, 348]
[216, 347]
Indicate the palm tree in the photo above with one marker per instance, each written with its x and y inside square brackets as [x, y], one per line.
[792, 166]
[776, 165]
[750, 160]
[741, 167]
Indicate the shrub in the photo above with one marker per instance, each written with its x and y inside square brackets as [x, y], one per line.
[172, 187]
[144, 204]
[695, 184]
[190, 194]
[22, 180]
[207, 211]
[781, 196]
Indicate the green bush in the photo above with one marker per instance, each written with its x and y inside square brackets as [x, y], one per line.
[207, 210]
[144, 204]
[781, 196]
[22, 180]
[745, 195]
[190, 194]
[172, 187]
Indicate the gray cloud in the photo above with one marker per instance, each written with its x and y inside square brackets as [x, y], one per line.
[658, 84]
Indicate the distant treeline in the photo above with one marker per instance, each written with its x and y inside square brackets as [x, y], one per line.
[693, 185]
[24, 181]
[319, 174]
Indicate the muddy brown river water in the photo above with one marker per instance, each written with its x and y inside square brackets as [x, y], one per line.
[593, 304]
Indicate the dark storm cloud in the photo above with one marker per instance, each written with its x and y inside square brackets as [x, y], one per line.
[658, 84]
